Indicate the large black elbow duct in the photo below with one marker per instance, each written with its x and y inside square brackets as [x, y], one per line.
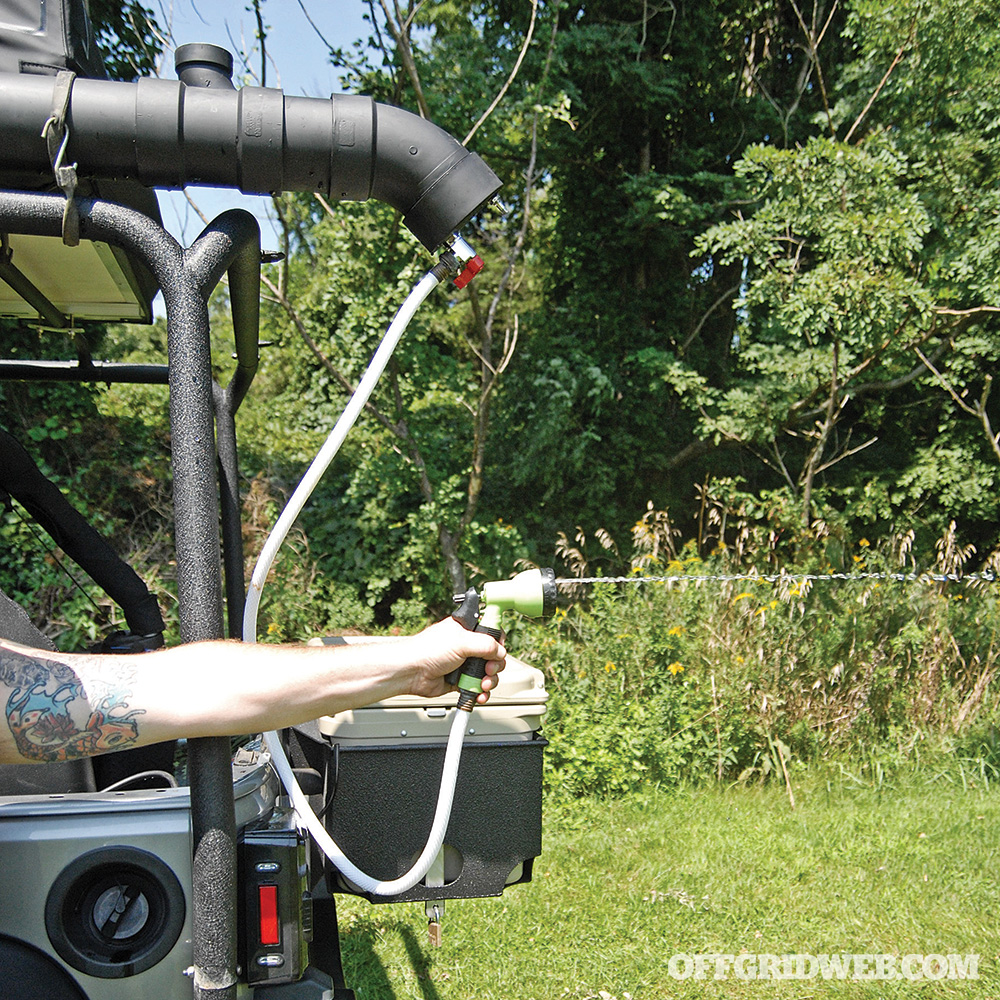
[166, 133]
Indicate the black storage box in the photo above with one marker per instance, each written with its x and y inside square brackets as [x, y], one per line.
[381, 769]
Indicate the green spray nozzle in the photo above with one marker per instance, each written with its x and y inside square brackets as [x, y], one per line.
[531, 593]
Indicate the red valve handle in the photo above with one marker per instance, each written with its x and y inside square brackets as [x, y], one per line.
[472, 268]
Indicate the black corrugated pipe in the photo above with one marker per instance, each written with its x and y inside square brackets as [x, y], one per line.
[165, 133]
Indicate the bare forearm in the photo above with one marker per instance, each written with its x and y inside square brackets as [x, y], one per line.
[61, 706]
[222, 688]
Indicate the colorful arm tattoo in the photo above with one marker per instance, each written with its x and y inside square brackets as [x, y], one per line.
[52, 717]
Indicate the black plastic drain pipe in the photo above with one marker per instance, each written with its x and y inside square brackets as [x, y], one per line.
[165, 133]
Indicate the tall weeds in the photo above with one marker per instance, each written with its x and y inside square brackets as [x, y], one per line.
[737, 677]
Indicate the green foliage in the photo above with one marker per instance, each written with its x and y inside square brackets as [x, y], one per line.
[625, 711]
[107, 451]
[35, 577]
[758, 284]
[866, 295]
[608, 382]
[323, 607]
[128, 36]
[746, 679]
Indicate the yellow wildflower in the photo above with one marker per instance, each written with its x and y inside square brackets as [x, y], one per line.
[675, 668]
[609, 666]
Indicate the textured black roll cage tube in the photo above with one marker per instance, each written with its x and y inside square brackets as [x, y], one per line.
[230, 244]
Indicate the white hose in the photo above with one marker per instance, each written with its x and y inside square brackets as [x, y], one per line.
[303, 491]
[442, 813]
[330, 448]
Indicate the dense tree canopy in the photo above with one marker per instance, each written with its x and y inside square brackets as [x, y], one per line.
[128, 36]
[749, 264]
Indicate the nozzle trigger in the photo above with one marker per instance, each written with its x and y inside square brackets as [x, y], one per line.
[468, 617]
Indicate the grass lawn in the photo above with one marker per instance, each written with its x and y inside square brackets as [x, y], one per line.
[908, 867]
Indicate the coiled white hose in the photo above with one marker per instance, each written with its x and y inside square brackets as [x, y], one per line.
[296, 502]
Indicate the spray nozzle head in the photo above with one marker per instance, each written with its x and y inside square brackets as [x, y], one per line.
[531, 593]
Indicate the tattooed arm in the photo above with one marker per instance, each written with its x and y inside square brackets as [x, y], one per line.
[60, 706]
[51, 716]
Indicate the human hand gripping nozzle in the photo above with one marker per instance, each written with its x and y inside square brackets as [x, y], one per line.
[531, 593]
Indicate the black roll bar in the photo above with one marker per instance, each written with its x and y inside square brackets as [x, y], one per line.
[229, 244]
